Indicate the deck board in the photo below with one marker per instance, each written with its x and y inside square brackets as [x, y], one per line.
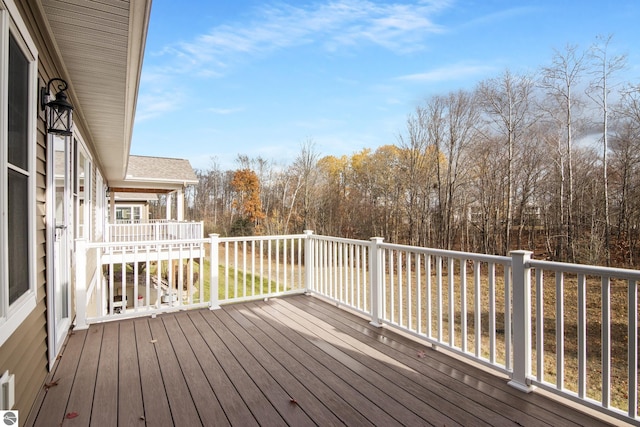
[492, 404]
[405, 398]
[58, 384]
[130, 401]
[242, 365]
[106, 389]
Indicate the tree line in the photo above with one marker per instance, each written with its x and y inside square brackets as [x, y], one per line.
[546, 161]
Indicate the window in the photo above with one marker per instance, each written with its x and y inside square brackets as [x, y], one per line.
[18, 57]
[128, 214]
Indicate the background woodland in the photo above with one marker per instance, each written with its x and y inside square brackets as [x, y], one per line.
[547, 162]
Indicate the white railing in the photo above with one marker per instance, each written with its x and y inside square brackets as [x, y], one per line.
[583, 320]
[481, 307]
[154, 231]
[135, 278]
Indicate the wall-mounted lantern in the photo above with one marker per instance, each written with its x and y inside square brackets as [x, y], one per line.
[59, 110]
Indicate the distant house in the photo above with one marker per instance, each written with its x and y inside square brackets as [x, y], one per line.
[54, 182]
[146, 178]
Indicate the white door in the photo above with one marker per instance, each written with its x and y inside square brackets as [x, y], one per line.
[60, 234]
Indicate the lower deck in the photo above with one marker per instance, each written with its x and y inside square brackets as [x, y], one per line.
[286, 361]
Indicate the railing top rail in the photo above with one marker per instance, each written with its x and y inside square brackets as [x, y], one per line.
[497, 259]
[339, 239]
[593, 270]
[258, 238]
[153, 243]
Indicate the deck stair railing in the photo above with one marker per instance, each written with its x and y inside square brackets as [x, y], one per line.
[534, 321]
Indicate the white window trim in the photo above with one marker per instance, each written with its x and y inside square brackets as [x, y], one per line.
[100, 208]
[12, 316]
[81, 147]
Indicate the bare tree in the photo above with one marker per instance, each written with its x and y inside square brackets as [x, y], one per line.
[418, 163]
[507, 102]
[560, 80]
[605, 67]
[305, 169]
[452, 128]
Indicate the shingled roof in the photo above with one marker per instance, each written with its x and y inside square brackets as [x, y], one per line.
[161, 168]
[155, 175]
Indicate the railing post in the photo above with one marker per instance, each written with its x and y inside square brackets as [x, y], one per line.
[521, 320]
[214, 304]
[309, 262]
[81, 284]
[376, 280]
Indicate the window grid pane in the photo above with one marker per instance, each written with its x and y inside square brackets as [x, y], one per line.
[18, 235]
[18, 106]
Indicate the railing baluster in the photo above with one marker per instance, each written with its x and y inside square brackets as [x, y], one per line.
[244, 269]
[400, 289]
[539, 324]
[226, 270]
[559, 330]
[418, 261]
[358, 277]
[439, 297]
[408, 274]
[452, 313]
[253, 268]
[284, 263]
[429, 307]
[491, 271]
[135, 280]
[261, 254]
[582, 336]
[632, 333]
[606, 341]
[352, 299]
[477, 321]
[507, 318]
[392, 292]
[463, 304]
[235, 269]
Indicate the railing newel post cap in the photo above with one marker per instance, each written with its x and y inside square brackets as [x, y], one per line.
[521, 252]
[308, 232]
[214, 235]
[524, 255]
[376, 239]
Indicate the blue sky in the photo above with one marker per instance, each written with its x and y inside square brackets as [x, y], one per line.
[261, 77]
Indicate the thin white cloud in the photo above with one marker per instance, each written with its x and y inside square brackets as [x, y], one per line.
[225, 111]
[154, 105]
[449, 73]
[331, 25]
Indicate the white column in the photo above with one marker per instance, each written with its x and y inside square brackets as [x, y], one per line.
[169, 203]
[180, 208]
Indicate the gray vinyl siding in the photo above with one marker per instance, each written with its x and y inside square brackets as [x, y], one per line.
[24, 354]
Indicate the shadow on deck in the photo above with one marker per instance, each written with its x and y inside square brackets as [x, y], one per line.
[291, 361]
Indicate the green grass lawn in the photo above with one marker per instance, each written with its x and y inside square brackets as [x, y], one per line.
[255, 285]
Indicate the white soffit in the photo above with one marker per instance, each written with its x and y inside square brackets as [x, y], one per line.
[102, 44]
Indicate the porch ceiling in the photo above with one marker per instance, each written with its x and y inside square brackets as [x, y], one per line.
[101, 43]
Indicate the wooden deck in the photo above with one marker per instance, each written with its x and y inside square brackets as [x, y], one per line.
[294, 361]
